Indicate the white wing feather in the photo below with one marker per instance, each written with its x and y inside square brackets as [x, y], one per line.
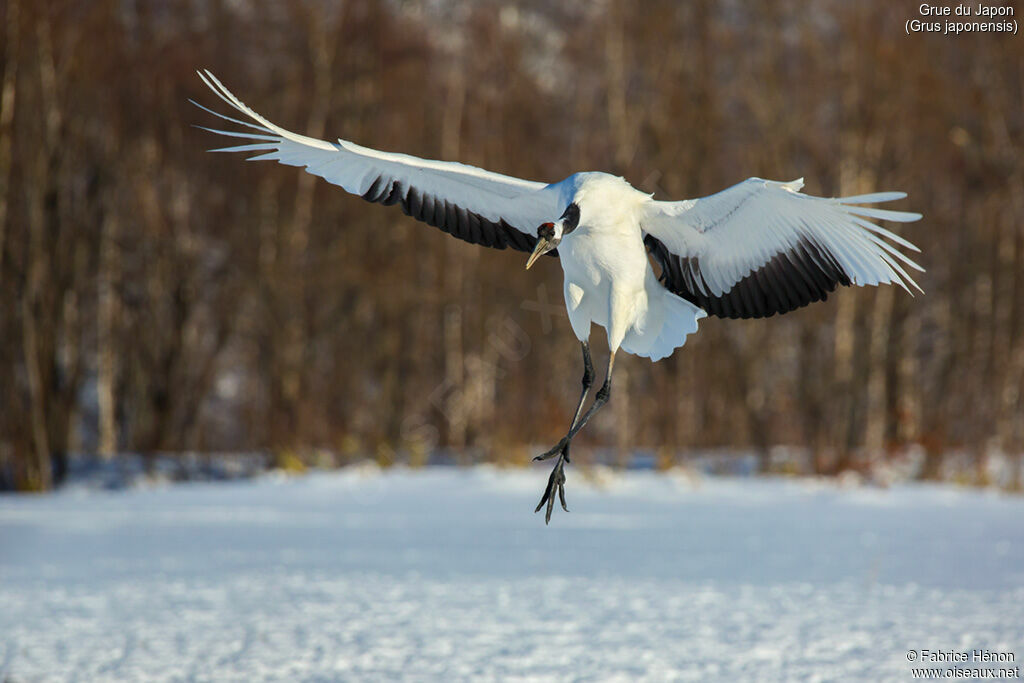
[733, 233]
[521, 204]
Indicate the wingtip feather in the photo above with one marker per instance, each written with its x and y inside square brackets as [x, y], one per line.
[873, 198]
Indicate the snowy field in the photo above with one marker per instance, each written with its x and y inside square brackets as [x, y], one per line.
[446, 574]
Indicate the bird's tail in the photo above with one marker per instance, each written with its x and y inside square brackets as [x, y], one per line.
[668, 321]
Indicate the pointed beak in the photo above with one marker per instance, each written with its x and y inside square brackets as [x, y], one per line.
[543, 246]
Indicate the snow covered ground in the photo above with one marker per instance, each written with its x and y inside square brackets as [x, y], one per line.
[446, 574]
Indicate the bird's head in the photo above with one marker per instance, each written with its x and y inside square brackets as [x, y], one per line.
[550, 234]
[548, 237]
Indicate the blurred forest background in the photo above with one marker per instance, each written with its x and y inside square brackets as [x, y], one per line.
[155, 298]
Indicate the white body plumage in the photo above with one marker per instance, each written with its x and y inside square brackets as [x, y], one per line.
[608, 277]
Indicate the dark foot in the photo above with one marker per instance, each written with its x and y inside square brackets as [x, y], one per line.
[560, 449]
[555, 482]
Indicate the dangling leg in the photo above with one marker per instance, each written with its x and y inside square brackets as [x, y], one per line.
[602, 397]
[557, 478]
[603, 394]
[588, 381]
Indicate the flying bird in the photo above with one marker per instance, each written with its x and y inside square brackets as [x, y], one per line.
[750, 251]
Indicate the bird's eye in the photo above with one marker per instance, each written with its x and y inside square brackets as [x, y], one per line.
[546, 230]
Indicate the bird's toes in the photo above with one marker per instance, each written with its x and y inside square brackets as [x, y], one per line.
[543, 500]
[547, 494]
[556, 483]
[547, 455]
[560, 448]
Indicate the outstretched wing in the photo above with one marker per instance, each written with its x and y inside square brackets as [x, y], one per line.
[472, 204]
[762, 247]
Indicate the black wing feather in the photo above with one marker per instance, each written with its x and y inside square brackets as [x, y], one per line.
[789, 280]
[451, 218]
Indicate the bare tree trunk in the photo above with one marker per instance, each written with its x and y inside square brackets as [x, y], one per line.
[106, 380]
[812, 404]
[908, 402]
[39, 296]
[8, 93]
[877, 403]
[456, 407]
[296, 322]
[744, 367]
[842, 395]
[1010, 422]
[619, 118]
[38, 476]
